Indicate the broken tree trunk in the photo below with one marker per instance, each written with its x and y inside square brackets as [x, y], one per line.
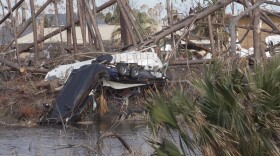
[95, 26]
[257, 33]
[210, 27]
[234, 22]
[23, 12]
[12, 65]
[27, 24]
[100, 8]
[185, 22]
[91, 32]
[82, 21]
[268, 21]
[95, 16]
[127, 10]
[57, 20]
[74, 37]
[250, 27]
[40, 28]
[9, 13]
[170, 23]
[14, 28]
[34, 26]
[68, 21]
[125, 26]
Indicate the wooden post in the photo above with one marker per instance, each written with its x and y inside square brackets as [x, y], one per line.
[34, 26]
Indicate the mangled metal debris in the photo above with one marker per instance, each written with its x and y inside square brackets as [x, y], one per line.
[119, 71]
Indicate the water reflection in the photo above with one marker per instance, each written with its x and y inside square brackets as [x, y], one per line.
[78, 140]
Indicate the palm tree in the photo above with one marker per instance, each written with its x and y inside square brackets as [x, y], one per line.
[231, 110]
[144, 23]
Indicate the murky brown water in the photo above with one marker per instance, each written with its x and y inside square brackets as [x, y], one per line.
[80, 140]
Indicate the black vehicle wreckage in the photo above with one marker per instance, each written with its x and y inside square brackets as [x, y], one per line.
[131, 70]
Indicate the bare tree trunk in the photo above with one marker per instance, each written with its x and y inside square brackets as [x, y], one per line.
[249, 27]
[125, 39]
[257, 34]
[170, 23]
[94, 39]
[127, 10]
[8, 14]
[14, 28]
[68, 21]
[27, 24]
[100, 8]
[23, 12]
[74, 37]
[91, 32]
[82, 21]
[3, 11]
[41, 31]
[234, 22]
[94, 23]
[210, 27]
[126, 21]
[57, 20]
[34, 25]
[16, 18]
[12, 65]
[219, 45]
[98, 35]
[185, 22]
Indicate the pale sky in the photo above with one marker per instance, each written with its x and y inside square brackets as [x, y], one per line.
[134, 3]
[181, 7]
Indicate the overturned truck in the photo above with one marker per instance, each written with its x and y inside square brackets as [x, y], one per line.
[119, 71]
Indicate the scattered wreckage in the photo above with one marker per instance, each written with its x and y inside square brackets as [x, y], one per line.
[119, 71]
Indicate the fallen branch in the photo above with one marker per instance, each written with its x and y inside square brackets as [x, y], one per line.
[186, 22]
[113, 134]
[190, 62]
[13, 9]
[98, 9]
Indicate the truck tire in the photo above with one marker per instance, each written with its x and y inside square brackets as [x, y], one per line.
[134, 71]
[122, 69]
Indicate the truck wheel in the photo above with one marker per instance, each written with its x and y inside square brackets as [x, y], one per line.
[134, 71]
[122, 69]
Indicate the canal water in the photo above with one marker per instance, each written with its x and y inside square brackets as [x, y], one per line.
[77, 140]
